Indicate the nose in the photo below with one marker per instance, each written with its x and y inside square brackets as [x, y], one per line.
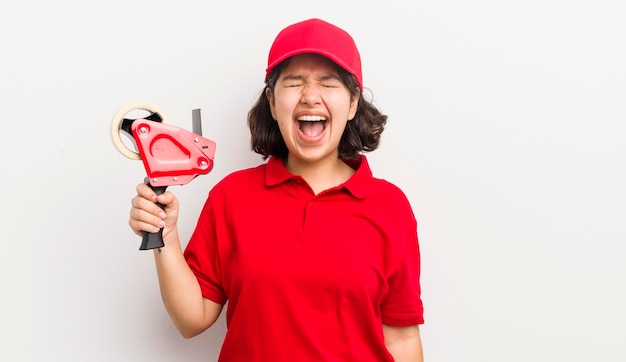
[311, 94]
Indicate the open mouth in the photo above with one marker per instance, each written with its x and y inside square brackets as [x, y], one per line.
[312, 126]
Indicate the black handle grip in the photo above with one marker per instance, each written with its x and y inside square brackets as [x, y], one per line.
[153, 240]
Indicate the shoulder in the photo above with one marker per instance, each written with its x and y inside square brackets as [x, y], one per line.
[241, 180]
[388, 192]
[386, 186]
[365, 185]
[374, 186]
[384, 195]
[244, 174]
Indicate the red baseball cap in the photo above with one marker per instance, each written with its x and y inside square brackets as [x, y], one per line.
[318, 37]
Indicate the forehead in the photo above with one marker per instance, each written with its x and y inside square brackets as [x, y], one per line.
[305, 63]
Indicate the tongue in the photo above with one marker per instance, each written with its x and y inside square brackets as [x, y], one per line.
[312, 129]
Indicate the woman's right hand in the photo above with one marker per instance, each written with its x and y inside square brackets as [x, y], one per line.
[180, 290]
[146, 215]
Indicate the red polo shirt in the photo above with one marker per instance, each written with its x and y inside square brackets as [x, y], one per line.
[307, 277]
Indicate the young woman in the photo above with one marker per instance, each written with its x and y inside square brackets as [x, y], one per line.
[318, 260]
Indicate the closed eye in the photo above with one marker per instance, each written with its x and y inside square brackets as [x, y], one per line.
[293, 81]
[330, 81]
[331, 84]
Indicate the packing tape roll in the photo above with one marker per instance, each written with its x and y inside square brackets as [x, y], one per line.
[117, 121]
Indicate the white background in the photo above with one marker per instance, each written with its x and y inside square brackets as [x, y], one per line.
[506, 130]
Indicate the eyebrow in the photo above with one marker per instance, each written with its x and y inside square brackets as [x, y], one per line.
[293, 77]
[302, 77]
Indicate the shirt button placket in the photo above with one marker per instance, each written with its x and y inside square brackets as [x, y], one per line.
[309, 219]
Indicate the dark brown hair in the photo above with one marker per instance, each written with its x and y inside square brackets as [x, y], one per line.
[362, 133]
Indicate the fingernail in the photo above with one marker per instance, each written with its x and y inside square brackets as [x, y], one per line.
[162, 215]
[161, 223]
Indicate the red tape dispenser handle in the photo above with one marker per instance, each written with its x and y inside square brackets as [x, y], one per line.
[170, 155]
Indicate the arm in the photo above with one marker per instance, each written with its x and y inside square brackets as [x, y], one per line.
[190, 312]
[404, 343]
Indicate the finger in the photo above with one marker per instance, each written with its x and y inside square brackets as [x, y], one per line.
[139, 227]
[145, 191]
[140, 202]
[141, 220]
[168, 199]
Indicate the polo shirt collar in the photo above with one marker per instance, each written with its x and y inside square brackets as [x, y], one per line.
[358, 185]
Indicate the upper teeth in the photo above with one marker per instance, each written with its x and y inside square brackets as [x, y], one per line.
[311, 118]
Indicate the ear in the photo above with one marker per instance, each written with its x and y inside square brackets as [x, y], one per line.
[270, 99]
[354, 103]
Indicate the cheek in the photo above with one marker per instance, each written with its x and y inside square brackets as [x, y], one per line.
[341, 105]
[282, 116]
[283, 107]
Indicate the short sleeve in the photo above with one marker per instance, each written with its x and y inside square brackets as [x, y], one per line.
[202, 256]
[403, 305]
